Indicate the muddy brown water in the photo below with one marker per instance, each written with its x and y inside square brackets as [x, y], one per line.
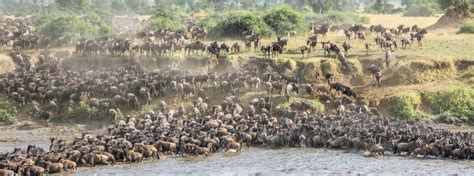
[253, 161]
[287, 162]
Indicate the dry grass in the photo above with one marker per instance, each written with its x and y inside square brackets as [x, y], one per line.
[393, 20]
[5, 63]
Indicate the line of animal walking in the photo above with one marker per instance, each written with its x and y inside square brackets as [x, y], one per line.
[20, 35]
[169, 41]
[229, 128]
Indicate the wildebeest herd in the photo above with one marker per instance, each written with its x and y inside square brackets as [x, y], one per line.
[206, 126]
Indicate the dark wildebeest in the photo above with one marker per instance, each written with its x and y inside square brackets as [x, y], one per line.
[235, 47]
[320, 29]
[346, 45]
[266, 50]
[252, 38]
[276, 49]
[225, 48]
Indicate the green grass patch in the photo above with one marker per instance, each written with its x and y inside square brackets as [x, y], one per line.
[355, 68]
[405, 105]
[467, 27]
[456, 102]
[314, 105]
[33, 109]
[8, 111]
[83, 110]
[330, 65]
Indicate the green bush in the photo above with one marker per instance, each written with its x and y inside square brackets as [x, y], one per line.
[315, 105]
[159, 22]
[173, 12]
[405, 105]
[105, 30]
[84, 111]
[210, 20]
[33, 109]
[120, 115]
[139, 6]
[336, 17]
[382, 8]
[7, 117]
[57, 26]
[421, 10]
[8, 111]
[19, 9]
[283, 19]
[467, 28]
[236, 22]
[457, 102]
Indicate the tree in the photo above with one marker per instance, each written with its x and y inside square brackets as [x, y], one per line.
[235, 23]
[284, 19]
[138, 6]
[74, 4]
[322, 6]
[105, 5]
[55, 27]
[445, 4]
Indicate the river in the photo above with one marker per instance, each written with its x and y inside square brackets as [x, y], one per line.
[287, 162]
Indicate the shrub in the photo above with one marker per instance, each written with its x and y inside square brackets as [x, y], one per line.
[173, 12]
[355, 68]
[163, 22]
[405, 105]
[383, 8]
[7, 117]
[120, 115]
[33, 109]
[105, 30]
[284, 19]
[467, 27]
[237, 22]
[285, 63]
[336, 17]
[421, 10]
[66, 25]
[457, 102]
[19, 9]
[138, 6]
[8, 111]
[84, 110]
[315, 105]
[330, 65]
[210, 20]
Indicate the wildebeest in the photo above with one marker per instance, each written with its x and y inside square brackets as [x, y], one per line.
[388, 58]
[346, 45]
[235, 47]
[305, 48]
[320, 29]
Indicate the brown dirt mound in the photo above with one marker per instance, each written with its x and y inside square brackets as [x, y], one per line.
[417, 72]
[451, 19]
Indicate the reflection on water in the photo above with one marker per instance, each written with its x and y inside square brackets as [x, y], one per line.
[287, 162]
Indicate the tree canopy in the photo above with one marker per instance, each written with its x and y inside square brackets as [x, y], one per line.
[283, 19]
